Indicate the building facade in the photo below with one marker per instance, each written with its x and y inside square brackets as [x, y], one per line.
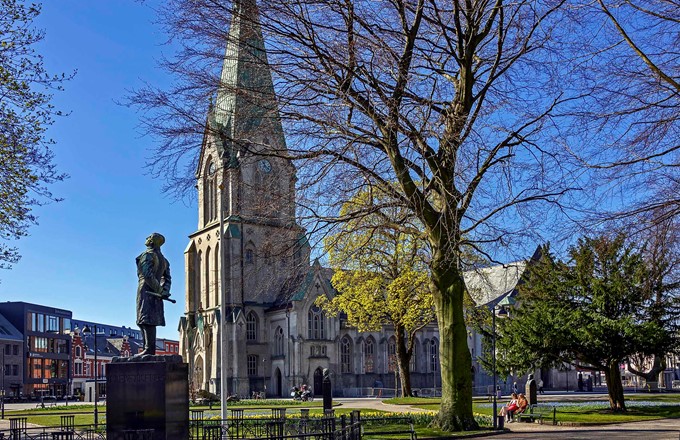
[45, 331]
[11, 359]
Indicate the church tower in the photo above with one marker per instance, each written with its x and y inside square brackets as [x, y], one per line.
[247, 247]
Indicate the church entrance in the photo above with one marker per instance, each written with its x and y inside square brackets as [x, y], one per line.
[318, 382]
[278, 391]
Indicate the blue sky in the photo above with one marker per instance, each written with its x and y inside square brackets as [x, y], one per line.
[81, 255]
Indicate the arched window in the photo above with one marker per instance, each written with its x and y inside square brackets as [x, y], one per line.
[413, 365]
[315, 323]
[433, 355]
[78, 352]
[210, 192]
[346, 355]
[207, 278]
[369, 355]
[251, 327]
[278, 342]
[197, 280]
[216, 276]
[392, 355]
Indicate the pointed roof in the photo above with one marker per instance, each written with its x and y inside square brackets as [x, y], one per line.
[246, 99]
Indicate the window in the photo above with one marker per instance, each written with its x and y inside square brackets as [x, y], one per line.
[392, 355]
[434, 355]
[250, 257]
[6, 370]
[38, 344]
[52, 324]
[252, 364]
[7, 350]
[278, 342]
[317, 350]
[35, 368]
[315, 323]
[78, 368]
[414, 356]
[65, 325]
[39, 322]
[15, 349]
[369, 355]
[78, 352]
[251, 327]
[15, 370]
[346, 355]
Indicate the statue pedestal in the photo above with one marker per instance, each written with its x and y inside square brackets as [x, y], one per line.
[148, 395]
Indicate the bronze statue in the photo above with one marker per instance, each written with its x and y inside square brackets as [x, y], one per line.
[153, 271]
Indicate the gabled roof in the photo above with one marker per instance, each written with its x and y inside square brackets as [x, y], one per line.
[486, 285]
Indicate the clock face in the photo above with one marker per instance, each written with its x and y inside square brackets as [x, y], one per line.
[264, 166]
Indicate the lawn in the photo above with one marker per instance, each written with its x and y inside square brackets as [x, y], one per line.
[581, 409]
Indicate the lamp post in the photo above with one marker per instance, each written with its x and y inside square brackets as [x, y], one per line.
[264, 377]
[434, 372]
[87, 332]
[2, 391]
[502, 312]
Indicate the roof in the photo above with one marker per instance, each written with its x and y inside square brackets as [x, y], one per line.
[490, 284]
[8, 331]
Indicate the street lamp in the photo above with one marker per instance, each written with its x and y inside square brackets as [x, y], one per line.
[502, 312]
[2, 391]
[87, 332]
[264, 377]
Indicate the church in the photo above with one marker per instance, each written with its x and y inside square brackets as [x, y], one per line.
[250, 285]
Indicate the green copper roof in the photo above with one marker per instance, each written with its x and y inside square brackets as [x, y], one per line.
[245, 99]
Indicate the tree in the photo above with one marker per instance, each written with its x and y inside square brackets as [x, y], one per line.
[443, 106]
[381, 277]
[26, 161]
[593, 309]
[631, 111]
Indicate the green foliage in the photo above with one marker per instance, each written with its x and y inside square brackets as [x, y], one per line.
[593, 309]
[26, 161]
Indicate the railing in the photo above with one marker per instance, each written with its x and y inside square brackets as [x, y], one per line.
[238, 426]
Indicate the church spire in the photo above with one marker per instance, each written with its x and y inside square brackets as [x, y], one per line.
[246, 103]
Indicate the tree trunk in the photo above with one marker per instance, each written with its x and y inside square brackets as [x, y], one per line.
[403, 361]
[455, 413]
[615, 387]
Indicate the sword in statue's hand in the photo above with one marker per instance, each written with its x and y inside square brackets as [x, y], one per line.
[162, 296]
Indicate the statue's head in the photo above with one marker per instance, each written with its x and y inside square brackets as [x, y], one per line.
[155, 240]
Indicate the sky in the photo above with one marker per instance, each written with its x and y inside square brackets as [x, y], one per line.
[81, 256]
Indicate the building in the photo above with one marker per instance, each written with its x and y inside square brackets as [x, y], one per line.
[11, 359]
[250, 260]
[46, 370]
[108, 330]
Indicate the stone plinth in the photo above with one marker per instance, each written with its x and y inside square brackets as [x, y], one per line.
[147, 393]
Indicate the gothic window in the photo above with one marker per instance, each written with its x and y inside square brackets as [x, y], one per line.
[210, 192]
[207, 278]
[278, 342]
[414, 356]
[346, 355]
[197, 280]
[250, 256]
[433, 355]
[369, 355]
[216, 277]
[252, 365]
[392, 355]
[315, 323]
[78, 352]
[251, 327]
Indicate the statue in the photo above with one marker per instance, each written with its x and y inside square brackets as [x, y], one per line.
[153, 271]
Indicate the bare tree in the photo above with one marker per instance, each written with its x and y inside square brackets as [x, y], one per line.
[445, 106]
[632, 69]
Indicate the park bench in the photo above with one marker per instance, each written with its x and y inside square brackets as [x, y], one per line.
[537, 413]
[376, 434]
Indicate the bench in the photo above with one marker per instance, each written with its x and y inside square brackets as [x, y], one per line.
[537, 413]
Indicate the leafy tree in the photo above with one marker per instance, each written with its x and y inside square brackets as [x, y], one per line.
[381, 276]
[593, 309]
[26, 161]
